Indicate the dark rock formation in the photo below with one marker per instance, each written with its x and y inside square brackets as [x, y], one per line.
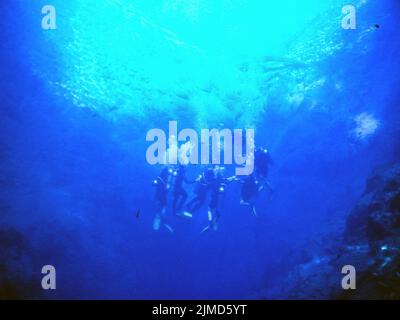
[370, 242]
[16, 280]
[373, 234]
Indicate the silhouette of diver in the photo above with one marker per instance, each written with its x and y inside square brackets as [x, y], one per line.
[255, 182]
[179, 193]
[249, 192]
[217, 188]
[161, 184]
[203, 184]
[262, 161]
[210, 180]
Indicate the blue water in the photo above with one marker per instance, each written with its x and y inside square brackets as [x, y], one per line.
[76, 103]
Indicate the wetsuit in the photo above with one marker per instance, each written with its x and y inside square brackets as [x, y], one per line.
[203, 185]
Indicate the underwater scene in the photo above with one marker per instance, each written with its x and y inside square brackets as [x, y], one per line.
[200, 149]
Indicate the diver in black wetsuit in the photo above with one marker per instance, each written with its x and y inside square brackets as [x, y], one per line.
[217, 188]
[253, 184]
[249, 192]
[161, 183]
[262, 161]
[179, 193]
[203, 184]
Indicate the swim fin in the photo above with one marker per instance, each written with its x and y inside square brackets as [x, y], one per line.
[205, 230]
[253, 209]
[168, 228]
[187, 214]
[157, 223]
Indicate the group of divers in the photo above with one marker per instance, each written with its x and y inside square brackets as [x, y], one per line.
[211, 181]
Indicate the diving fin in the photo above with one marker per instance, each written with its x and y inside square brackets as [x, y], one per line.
[187, 214]
[157, 223]
[253, 209]
[168, 228]
[205, 230]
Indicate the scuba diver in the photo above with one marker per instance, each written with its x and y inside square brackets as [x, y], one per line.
[179, 193]
[262, 161]
[161, 183]
[203, 184]
[254, 183]
[218, 187]
[249, 192]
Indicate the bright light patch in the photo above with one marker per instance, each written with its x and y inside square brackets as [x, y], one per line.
[366, 125]
[205, 60]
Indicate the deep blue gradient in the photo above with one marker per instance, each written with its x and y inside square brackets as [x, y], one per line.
[76, 104]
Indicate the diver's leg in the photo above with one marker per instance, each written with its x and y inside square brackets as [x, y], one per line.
[210, 219]
[161, 217]
[182, 200]
[216, 217]
[161, 211]
[175, 202]
[199, 203]
[268, 184]
[190, 207]
[157, 219]
[191, 203]
[202, 200]
[213, 216]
